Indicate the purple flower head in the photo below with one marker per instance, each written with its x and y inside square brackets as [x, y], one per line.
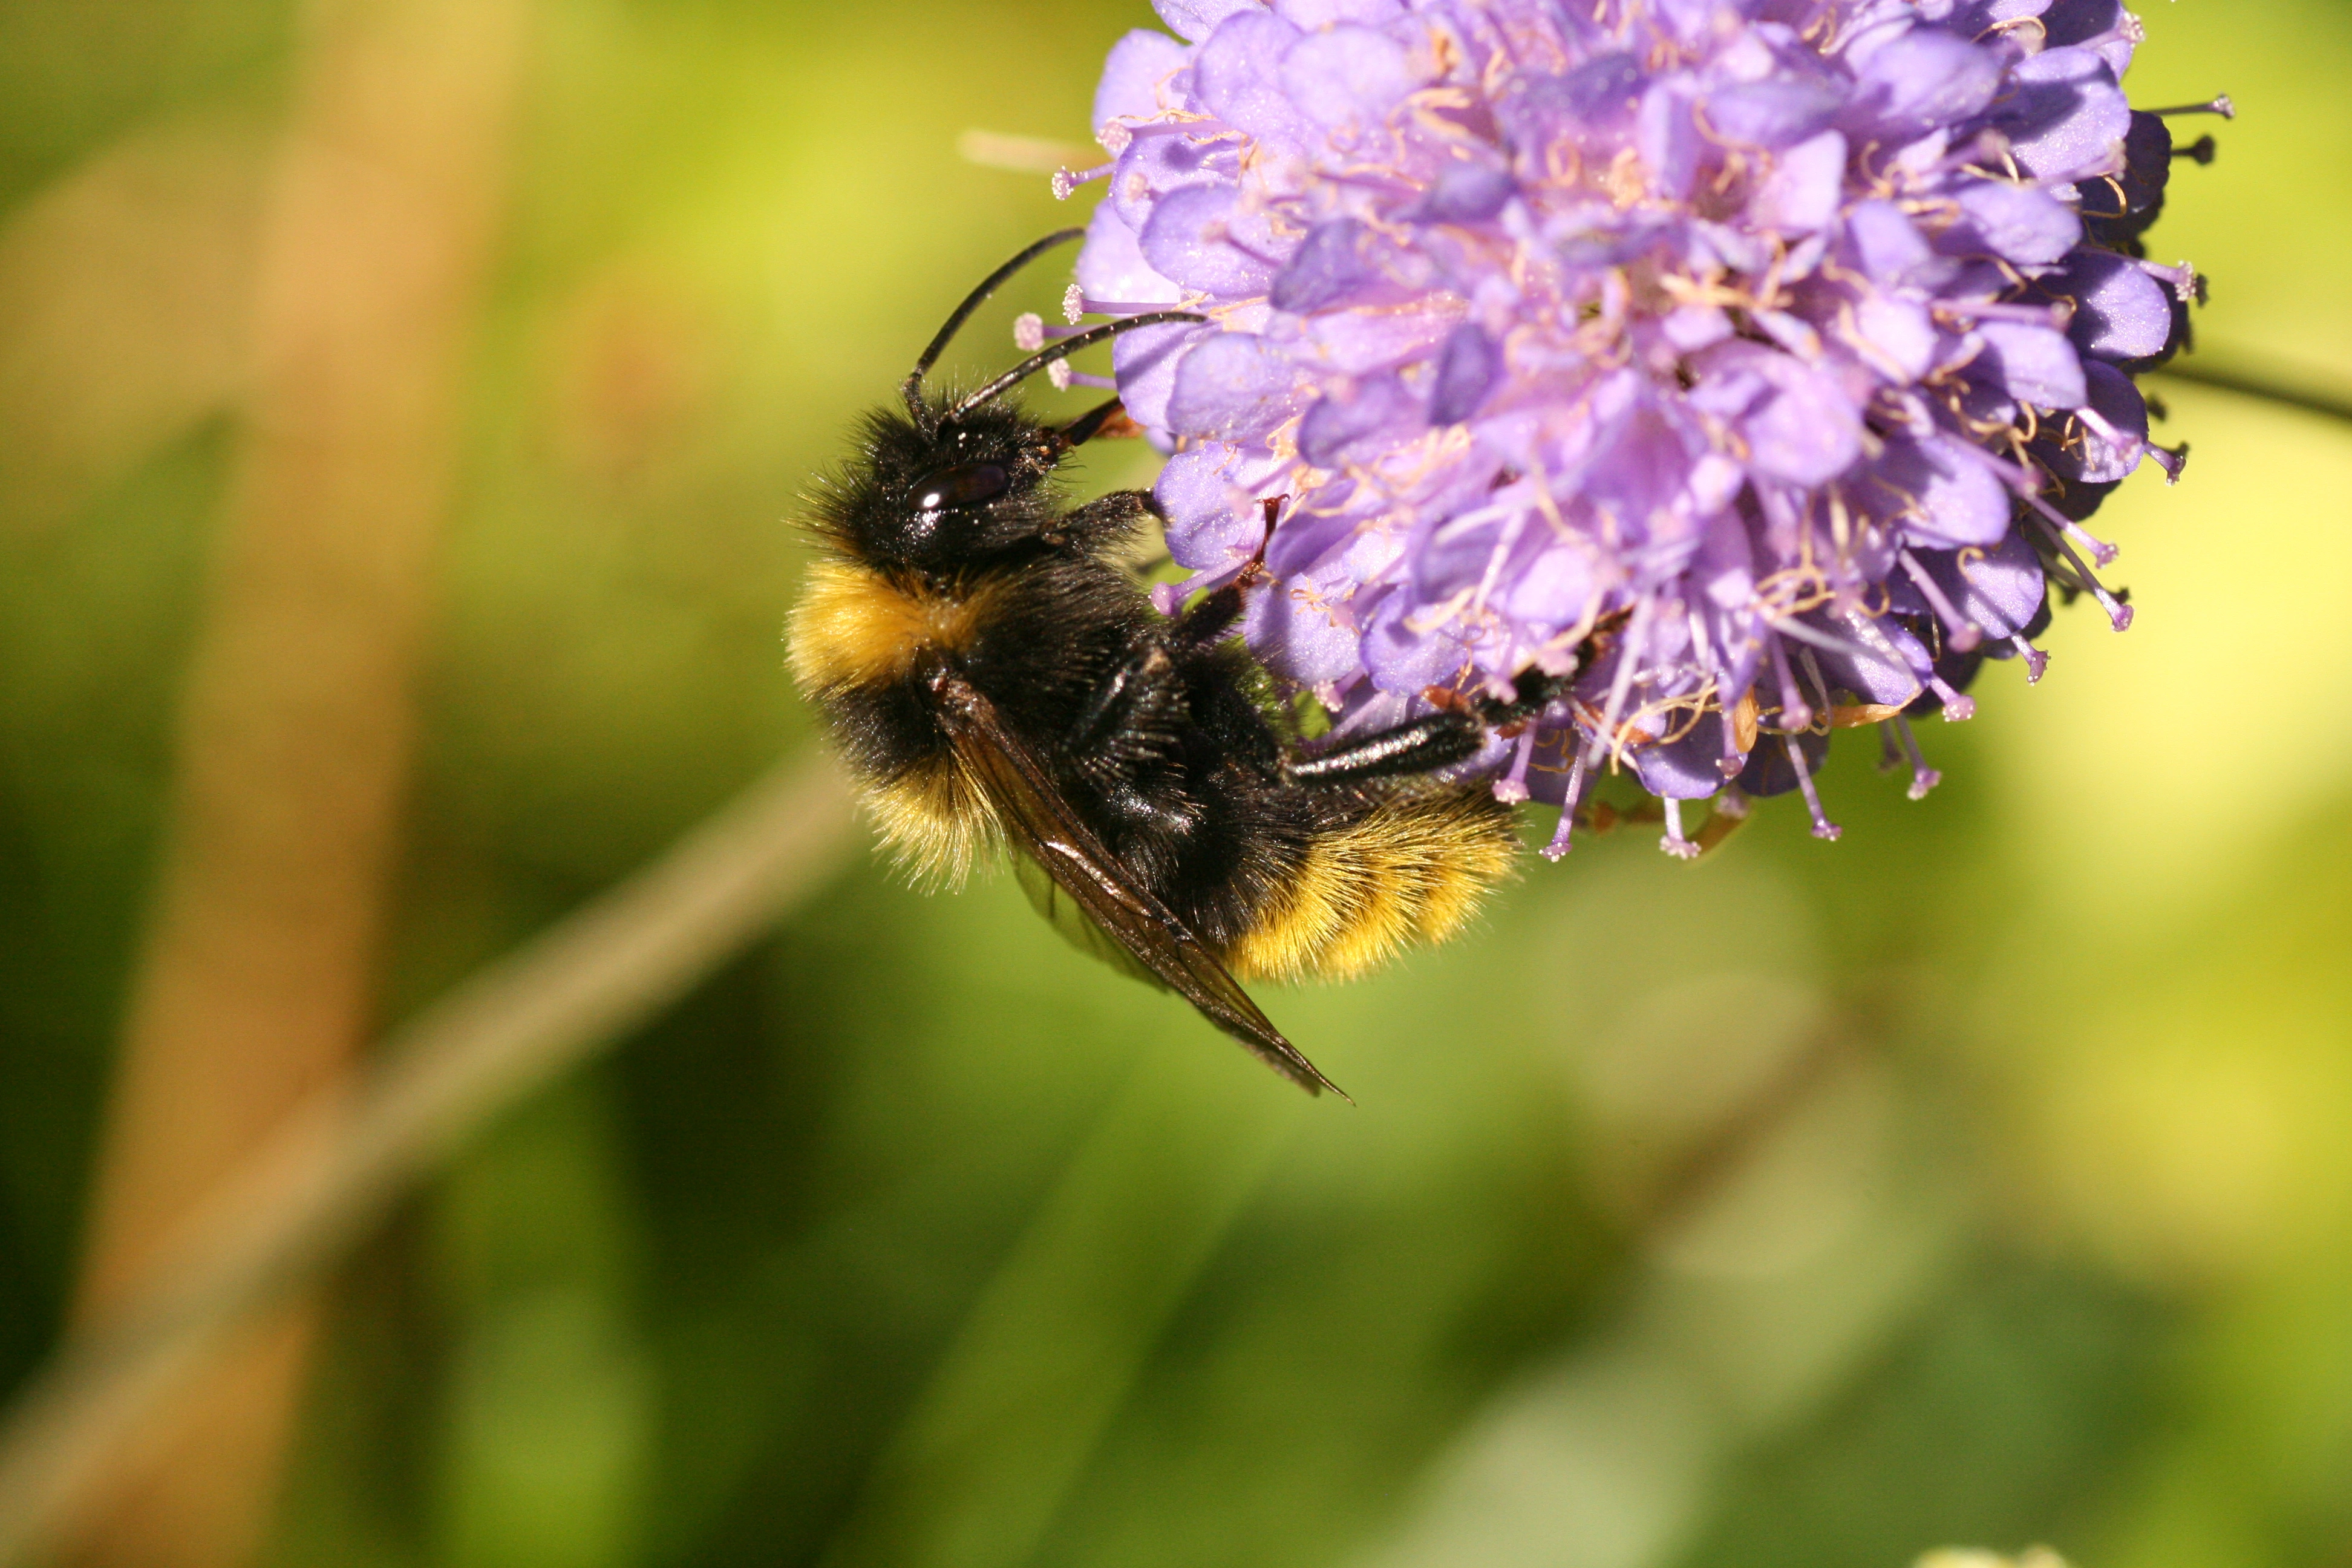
[1753, 363]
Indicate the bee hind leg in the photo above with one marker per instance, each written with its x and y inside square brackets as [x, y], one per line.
[1432, 742]
[1420, 745]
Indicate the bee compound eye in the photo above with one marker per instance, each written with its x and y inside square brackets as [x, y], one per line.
[964, 484]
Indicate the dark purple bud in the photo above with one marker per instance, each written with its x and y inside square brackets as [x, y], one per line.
[1770, 772]
[2118, 208]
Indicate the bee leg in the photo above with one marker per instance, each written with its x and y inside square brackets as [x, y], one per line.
[1206, 622]
[1433, 741]
[1535, 691]
[1418, 746]
[1132, 715]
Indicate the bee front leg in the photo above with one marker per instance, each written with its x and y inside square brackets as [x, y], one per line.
[1103, 522]
[1132, 716]
[1206, 623]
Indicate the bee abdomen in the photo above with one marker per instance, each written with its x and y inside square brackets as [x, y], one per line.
[1411, 869]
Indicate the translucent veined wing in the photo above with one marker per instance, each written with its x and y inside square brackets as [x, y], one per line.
[1044, 827]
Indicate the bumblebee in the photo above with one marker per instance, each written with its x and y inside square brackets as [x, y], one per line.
[993, 676]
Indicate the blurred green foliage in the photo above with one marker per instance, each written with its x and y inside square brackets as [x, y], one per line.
[1985, 1178]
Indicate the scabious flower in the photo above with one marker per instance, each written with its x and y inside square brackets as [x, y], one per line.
[1752, 363]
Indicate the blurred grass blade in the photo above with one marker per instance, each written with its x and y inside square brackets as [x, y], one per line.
[1047, 1353]
[255, 983]
[339, 1163]
[2269, 382]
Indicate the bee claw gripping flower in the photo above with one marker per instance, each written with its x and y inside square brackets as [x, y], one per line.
[1754, 363]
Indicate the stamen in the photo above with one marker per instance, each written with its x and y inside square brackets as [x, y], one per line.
[1629, 655]
[2119, 615]
[1962, 634]
[1512, 787]
[2036, 661]
[1558, 845]
[1067, 181]
[1812, 667]
[1821, 639]
[1823, 828]
[1674, 843]
[1078, 304]
[1958, 706]
[2104, 427]
[2171, 459]
[1795, 712]
[1889, 759]
[2101, 551]
[2220, 104]
[2201, 150]
[1923, 777]
[2055, 317]
[1729, 759]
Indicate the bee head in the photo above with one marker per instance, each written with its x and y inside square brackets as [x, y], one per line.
[959, 483]
[948, 493]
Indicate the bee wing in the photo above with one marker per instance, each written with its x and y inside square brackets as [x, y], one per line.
[1043, 826]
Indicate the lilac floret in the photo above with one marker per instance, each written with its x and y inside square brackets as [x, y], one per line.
[1752, 363]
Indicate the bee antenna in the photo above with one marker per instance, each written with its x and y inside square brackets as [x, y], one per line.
[1063, 349]
[911, 389]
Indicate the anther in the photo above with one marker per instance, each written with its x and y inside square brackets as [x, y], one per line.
[2201, 150]
[1674, 843]
[2171, 459]
[2187, 283]
[1031, 334]
[2036, 661]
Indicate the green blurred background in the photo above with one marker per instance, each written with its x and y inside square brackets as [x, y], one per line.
[1985, 1177]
